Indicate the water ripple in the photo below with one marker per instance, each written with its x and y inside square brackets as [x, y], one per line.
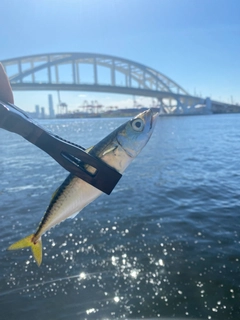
[165, 244]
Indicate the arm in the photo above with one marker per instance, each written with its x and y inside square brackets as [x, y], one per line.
[5, 88]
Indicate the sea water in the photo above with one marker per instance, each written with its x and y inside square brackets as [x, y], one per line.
[164, 244]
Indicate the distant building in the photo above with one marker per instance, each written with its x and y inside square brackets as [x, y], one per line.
[42, 112]
[37, 111]
[50, 105]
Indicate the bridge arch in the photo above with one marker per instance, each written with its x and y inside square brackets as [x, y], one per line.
[135, 77]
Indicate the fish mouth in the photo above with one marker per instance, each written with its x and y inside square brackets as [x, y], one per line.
[150, 117]
[153, 119]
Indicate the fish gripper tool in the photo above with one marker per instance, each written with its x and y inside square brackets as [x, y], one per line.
[69, 155]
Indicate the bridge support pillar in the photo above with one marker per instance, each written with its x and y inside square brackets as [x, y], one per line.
[208, 103]
[181, 107]
[163, 109]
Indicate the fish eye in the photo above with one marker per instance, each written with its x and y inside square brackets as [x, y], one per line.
[138, 125]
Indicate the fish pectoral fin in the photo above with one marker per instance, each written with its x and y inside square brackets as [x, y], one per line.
[89, 149]
[28, 242]
[109, 150]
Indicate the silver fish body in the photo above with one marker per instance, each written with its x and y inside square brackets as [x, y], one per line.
[118, 150]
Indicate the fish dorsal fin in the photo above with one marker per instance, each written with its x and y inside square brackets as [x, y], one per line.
[54, 193]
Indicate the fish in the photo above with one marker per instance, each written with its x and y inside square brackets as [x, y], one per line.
[118, 150]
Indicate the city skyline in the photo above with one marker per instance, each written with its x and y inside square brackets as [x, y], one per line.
[193, 42]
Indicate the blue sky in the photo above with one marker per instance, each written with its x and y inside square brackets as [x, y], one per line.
[194, 42]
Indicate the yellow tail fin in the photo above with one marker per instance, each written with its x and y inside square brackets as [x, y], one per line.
[27, 242]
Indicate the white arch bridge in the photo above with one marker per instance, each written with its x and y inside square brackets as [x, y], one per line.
[100, 73]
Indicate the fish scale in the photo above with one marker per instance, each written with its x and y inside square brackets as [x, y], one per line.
[118, 150]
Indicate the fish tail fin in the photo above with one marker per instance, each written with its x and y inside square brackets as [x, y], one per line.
[28, 242]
